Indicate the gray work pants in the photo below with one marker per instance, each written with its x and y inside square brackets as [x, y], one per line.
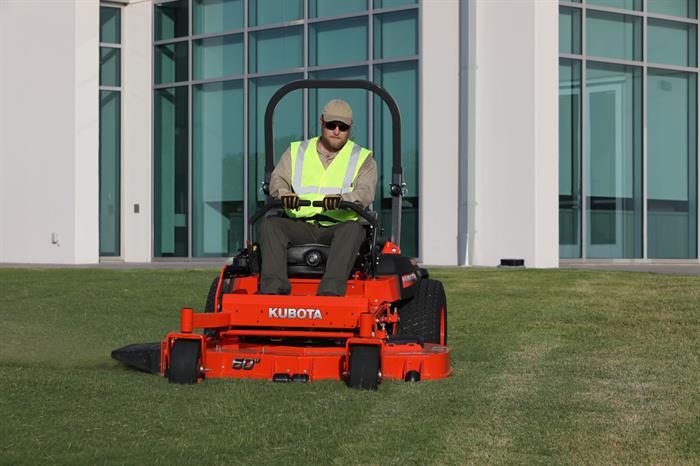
[277, 233]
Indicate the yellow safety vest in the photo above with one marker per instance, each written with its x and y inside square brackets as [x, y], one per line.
[312, 182]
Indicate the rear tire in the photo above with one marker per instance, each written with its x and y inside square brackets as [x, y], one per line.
[363, 367]
[209, 305]
[184, 361]
[425, 315]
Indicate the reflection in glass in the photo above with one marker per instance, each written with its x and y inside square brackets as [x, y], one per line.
[623, 4]
[682, 8]
[672, 43]
[324, 40]
[320, 8]
[392, 3]
[276, 49]
[217, 57]
[401, 80]
[217, 164]
[569, 30]
[171, 20]
[110, 172]
[672, 165]
[171, 63]
[288, 124]
[110, 25]
[171, 172]
[110, 67]
[212, 16]
[614, 204]
[261, 12]
[396, 34]
[612, 35]
[569, 158]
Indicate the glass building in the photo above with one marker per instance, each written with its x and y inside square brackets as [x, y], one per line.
[545, 130]
[217, 63]
[628, 129]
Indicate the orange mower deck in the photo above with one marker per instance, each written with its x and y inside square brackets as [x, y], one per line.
[324, 327]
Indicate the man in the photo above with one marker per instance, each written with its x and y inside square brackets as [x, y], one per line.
[329, 168]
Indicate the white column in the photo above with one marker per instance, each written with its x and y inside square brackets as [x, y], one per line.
[87, 132]
[439, 131]
[515, 133]
[49, 131]
[137, 118]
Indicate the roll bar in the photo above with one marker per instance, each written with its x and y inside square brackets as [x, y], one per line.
[397, 185]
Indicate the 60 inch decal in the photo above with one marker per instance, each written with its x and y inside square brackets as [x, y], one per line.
[245, 363]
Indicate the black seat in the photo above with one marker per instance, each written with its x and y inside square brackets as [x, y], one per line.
[307, 259]
[310, 259]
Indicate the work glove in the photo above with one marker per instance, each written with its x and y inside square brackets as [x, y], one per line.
[331, 202]
[290, 201]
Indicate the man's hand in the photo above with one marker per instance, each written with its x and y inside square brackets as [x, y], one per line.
[331, 202]
[290, 201]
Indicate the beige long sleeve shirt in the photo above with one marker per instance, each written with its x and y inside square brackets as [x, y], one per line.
[363, 186]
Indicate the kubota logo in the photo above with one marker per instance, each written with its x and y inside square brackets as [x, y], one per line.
[291, 313]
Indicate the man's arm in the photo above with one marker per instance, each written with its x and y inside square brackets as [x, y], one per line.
[281, 179]
[364, 185]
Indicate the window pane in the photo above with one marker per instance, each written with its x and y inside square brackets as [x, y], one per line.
[357, 99]
[217, 164]
[110, 67]
[276, 49]
[171, 63]
[110, 172]
[614, 94]
[683, 8]
[396, 34]
[672, 165]
[171, 20]
[170, 166]
[110, 25]
[218, 56]
[401, 80]
[334, 42]
[672, 43]
[569, 30]
[288, 126]
[569, 158]
[614, 36]
[318, 8]
[261, 12]
[625, 4]
[392, 3]
[209, 16]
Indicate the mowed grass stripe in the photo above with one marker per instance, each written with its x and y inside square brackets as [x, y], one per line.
[550, 367]
[536, 403]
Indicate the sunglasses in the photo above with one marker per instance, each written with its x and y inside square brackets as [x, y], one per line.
[332, 125]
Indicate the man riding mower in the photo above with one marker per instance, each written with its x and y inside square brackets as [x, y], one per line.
[321, 296]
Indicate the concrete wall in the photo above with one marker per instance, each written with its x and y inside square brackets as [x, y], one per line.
[514, 158]
[137, 173]
[49, 131]
[439, 141]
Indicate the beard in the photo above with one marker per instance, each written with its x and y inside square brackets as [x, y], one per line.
[333, 145]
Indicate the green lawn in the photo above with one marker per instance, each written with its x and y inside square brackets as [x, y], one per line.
[549, 367]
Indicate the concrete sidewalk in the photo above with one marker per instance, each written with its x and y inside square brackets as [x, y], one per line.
[676, 268]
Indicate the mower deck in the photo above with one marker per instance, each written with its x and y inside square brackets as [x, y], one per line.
[284, 363]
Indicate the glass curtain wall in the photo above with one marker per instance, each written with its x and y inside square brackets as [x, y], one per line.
[110, 131]
[216, 65]
[628, 129]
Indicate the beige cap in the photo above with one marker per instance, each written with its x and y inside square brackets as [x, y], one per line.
[337, 110]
